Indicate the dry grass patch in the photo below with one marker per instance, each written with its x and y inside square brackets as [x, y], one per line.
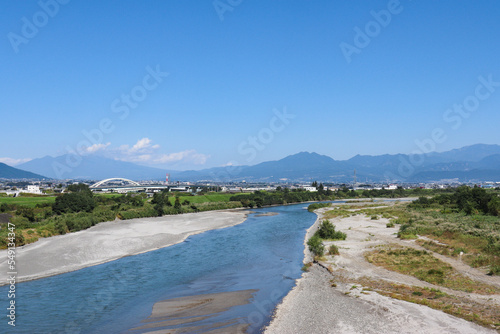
[337, 212]
[361, 206]
[397, 210]
[472, 247]
[484, 315]
[424, 266]
[32, 235]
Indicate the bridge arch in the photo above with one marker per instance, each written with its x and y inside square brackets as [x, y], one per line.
[98, 184]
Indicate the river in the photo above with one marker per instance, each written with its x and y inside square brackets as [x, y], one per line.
[264, 254]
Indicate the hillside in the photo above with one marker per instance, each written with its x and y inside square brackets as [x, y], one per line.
[8, 172]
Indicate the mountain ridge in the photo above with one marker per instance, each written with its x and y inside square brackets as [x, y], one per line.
[91, 167]
[469, 163]
[9, 172]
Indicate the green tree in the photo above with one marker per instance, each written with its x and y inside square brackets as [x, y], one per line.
[327, 231]
[74, 202]
[315, 245]
[4, 207]
[79, 188]
[482, 198]
[463, 198]
[159, 203]
[494, 206]
[26, 212]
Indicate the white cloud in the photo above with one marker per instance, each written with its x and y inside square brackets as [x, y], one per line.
[142, 146]
[230, 164]
[144, 151]
[14, 162]
[96, 148]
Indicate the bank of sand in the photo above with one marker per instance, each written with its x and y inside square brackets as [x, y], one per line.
[315, 306]
[186, 314]
[110, 241]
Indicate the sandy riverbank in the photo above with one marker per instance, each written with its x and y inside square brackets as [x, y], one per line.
[316, 305]
[186, 314]
[110, 241]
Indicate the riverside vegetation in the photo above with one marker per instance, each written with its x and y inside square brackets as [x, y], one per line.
[462, 225]
[465, 223]
[43, 216]
[37, 216]
[326, 231]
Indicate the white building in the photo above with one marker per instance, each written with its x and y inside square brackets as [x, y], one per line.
[32, 189]
[181, 189]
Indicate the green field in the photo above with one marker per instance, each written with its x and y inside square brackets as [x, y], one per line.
[108, 195]
[33, 201]
[28, 201]
[218, 197]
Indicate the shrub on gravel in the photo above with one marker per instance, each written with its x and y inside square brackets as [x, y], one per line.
[333, 250]
[316, 245]
[327, 231]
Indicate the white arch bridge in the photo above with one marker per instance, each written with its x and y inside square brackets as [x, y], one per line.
[100, 183]
[129, 186]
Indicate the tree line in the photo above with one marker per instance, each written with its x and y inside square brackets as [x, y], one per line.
[465, 199]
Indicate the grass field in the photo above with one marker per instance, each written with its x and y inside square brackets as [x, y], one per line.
[210, 198]
[425, 267]
[28, 201]
[108, 195]
[33, 201]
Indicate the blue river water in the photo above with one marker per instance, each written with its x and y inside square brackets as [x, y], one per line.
[264, 253]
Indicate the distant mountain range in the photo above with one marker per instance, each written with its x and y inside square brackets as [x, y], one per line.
[472, 163]
[91, 167]
[477, 162]
[8, 172]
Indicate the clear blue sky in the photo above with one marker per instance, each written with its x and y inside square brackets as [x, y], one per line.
[227, 78]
